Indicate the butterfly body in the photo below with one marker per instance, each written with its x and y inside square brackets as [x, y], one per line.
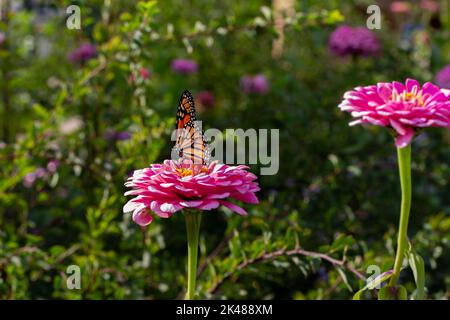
[190, 141]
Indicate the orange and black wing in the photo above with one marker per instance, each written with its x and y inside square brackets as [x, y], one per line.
[186, 111]
[191, 143]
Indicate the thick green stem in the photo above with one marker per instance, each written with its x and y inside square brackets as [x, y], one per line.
[404, 165]
[193, 219]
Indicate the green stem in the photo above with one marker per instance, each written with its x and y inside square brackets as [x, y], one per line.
[193, 219]
[404, 165]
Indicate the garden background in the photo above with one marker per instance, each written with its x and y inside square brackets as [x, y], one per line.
[81, 109]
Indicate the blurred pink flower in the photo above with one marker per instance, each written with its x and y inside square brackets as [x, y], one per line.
[2, 38]
[443, 77]
[206, 99]
[429, 5]
[52, 166]
[401, 107]
[29, 180]
[184, 66]
[40, 172]
[349, 41]
[144, 73]
[172, 186]
[255, 84]
[400, 7]
[83, 53]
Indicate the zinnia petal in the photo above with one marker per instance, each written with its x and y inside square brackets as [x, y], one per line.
[403, 140]
[142, 217]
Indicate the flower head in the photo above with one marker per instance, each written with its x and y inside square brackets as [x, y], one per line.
[429, 5]
[400, 7]
[443, 77]
[52, 166]
[113, 135]
[402, 107]
[29, 179]
[255, 84]
[40, 172]
[184, 66]
[347, 41]
[172, 186]
[206, 99]
[144, 73]
[83, 53]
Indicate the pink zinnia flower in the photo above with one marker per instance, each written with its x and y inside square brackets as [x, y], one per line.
[184, 66]
[172, 186]
[401, 107]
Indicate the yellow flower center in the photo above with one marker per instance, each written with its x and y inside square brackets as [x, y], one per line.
[409, 96]
[184, 172]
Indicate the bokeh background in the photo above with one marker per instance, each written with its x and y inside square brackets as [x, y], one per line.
[81, 109]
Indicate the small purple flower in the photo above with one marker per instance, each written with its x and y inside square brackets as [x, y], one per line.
[184, 66]
[52, 166]
[247, 84]
[122, 135]
[260, 84]
[83, 53]
[255, 84]
[113, 135]
[40, 172]
[443, 77]
[206, 99]
[29, 180]
[348, 41]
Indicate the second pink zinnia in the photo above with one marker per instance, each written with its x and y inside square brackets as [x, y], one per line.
[403, 107]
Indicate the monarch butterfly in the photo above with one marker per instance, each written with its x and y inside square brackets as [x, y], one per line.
[190, 141]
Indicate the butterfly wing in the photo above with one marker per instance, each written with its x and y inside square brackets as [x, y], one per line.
[190, 143]
[186, 111]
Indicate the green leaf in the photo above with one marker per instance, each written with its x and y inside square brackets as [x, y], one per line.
[344, 278]
[342, 241]
[418, 268]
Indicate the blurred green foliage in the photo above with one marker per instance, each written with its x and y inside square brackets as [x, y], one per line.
[332, 208]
